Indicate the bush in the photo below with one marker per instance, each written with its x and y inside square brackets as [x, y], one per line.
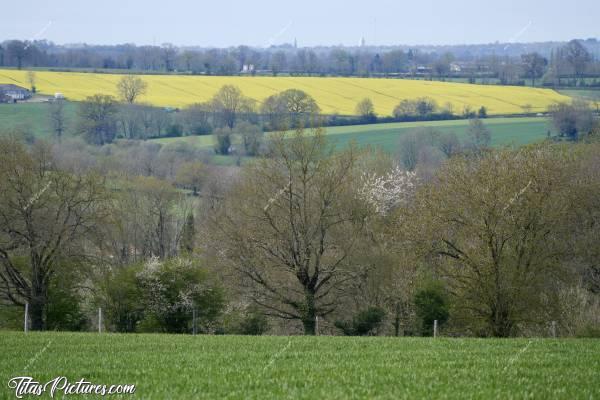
[223, 141]
[120, 295]
[172, 289]
[363, 323]
[431, 305]
[482, 113]
[175, 130]
[248, 322]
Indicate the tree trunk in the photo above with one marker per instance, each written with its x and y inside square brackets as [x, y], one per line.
[397, 320]
[309, 314]
[501, 322]
[37, 308]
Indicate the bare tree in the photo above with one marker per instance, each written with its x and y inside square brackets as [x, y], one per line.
[479, 135]
[98, 119]
[577, 56]
[229, 102]
[57, 118]
[32, 78]
[534, 65]
[130, 87]
[366, 110]
[289, 226]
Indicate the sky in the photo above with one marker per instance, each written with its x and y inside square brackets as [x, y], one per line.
[223, 23]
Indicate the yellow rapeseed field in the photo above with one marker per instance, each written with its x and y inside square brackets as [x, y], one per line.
[334, 95]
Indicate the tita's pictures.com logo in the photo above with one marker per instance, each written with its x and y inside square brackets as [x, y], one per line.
[60, 387]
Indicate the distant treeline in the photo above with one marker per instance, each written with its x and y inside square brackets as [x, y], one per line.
[551, 63]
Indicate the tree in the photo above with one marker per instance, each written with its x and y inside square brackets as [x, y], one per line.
[172, 289]
[229, 102]
[431, 305]
[408, 150]
[31, 78]
[577, 56]
[191, 175]
[252, 138]
[197, 119]
[130, 87]
[449, 144]
[482, 113]
[46, 218]
[363, 323]
[16, 50]
[223, 140]
[289, 227]
[97, 116]
[159, 218]
[415, 146]
[56, 114]
[188, 235]
[499, 226]
[572, 120]
[442, 65]
[168, 55]
[533, 65]
[278, 62]
[479, 135]
[290, 109]
[366, 110]
[421, 107]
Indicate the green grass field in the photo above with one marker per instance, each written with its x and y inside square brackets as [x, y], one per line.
[592, 95]
[234, 367]
[505, 131]
[33, 117]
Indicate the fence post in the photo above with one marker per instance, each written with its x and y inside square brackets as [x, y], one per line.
[26, 319]
[316, 325]
[554, 329]
[99, 319]
[435, 328]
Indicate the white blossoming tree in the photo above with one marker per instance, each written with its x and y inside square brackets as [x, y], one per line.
[173, 289]
[386, 192]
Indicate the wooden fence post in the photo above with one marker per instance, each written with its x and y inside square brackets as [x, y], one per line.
[26, 319]
[435, 328]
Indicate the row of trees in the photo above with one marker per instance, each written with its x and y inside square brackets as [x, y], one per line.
[102, 118]
[553, 61]
[489, 242]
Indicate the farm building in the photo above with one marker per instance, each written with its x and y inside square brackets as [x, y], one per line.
[14, 92]
[4, 98]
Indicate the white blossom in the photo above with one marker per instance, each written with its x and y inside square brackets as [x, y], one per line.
[389, 191]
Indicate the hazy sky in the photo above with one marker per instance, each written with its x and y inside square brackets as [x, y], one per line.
[262, 22]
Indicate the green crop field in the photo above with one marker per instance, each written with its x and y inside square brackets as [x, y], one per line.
[236, 367]
[592, 95]
[505, 131]
[32, 117]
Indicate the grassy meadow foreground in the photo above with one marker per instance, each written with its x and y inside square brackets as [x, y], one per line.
[333, 94]
[211, 367]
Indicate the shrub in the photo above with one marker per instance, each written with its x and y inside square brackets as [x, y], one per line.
[363, 323]
[172, 289]
[431, 305]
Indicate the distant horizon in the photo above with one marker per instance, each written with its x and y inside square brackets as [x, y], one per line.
[367, 45]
